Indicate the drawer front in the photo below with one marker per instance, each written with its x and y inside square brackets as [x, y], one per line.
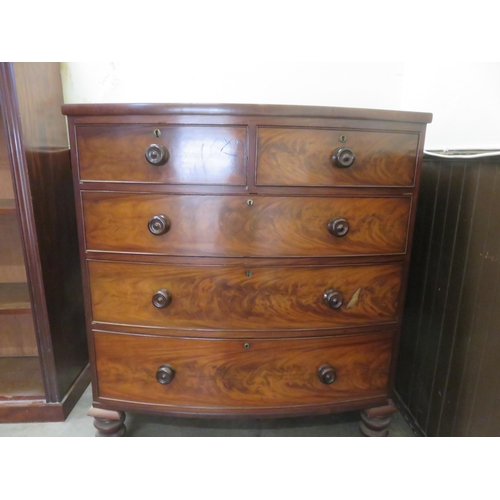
[228, 374]
[195, 154]
[236, 226]
[304, 157]
[254, 298]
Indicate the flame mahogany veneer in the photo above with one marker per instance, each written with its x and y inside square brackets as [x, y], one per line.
[242, 259]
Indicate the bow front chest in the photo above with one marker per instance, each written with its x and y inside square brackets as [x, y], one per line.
[244, 259]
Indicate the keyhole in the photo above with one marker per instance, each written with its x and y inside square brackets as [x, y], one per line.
[250, 203]
[248, 274]
[246, 345]
[157, 133]
[343, 138]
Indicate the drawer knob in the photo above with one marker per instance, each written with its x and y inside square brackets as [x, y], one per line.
[333, 299]
[162, 298]
[338, 227]
[165, 374]
[343, 157]
[158, 225]
[327, 374]
[157, 155]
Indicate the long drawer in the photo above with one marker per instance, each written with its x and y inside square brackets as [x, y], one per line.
[335, 157]
[254, 298]
[238, 226]
[177, 154]
[194, 374]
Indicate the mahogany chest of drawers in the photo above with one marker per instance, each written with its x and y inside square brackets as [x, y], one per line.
[244, 259]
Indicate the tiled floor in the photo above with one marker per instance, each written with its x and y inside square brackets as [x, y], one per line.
[79, 425]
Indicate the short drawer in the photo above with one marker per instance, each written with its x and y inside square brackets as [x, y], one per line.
[334, 157]
[238, 226]
[230, 374]
[252, 298]
[177, 154]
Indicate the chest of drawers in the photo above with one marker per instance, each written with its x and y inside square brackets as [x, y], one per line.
[242, 259]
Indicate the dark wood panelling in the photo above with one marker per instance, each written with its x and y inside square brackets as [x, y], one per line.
[448, 368]
[416, 279]
[422, 370]
[55, 217]
[445, 296]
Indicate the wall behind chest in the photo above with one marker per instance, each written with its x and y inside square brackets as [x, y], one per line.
[462, 97]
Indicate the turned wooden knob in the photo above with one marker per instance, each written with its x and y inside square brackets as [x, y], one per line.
[333, 299]
[158, 225]
[326, 374]
[338, 227]
[165, 374]
[343, 157]
[162, 298]
[157, 155]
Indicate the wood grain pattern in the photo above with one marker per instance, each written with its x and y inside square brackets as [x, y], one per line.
[228, 226]
[244, 268]
[303, 157]
[53, 201]
[198, 155]
[217, 297]
[223, 373]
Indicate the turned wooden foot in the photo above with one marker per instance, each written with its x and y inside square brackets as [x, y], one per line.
[109, 423]
[375, 421]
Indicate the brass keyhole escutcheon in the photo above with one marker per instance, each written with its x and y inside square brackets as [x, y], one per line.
[250, 203]
[246, 345]
[248, 274]
[343, 138]
[157, 133]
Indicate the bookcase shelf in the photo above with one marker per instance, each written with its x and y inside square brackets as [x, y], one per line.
[14, 298]
[43, 348]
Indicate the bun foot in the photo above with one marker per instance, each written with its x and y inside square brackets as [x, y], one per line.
[375, 422]
[109, 423]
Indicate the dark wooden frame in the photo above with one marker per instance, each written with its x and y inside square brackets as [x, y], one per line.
[447, 379]
[40, 172]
